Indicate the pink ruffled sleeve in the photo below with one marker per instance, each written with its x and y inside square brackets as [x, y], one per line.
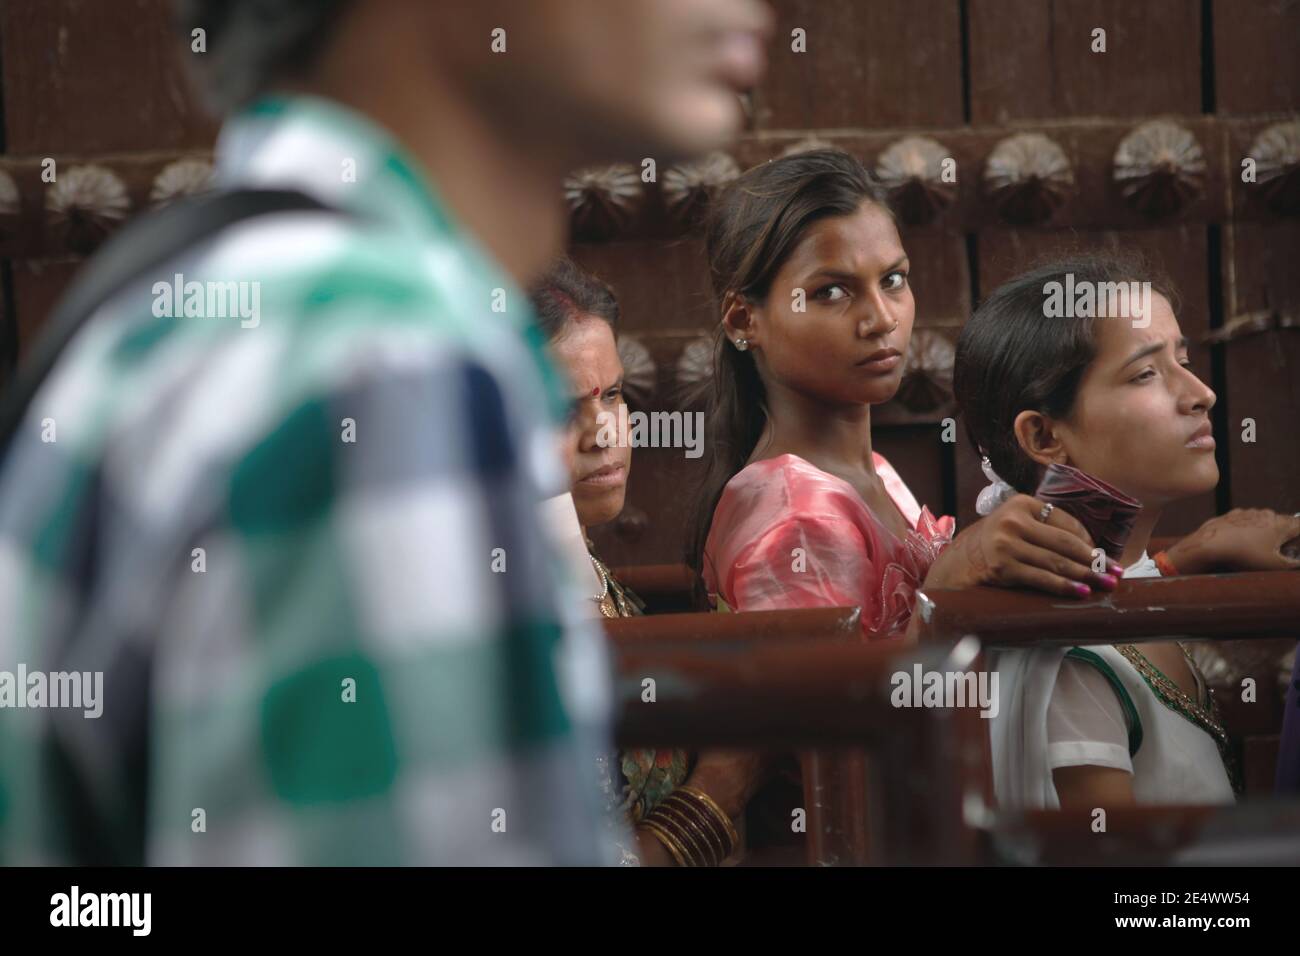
[803, 561]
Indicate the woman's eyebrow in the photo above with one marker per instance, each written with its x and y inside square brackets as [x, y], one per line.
[831, 272]
[617, 383]
[837, 272]
[1179, 345]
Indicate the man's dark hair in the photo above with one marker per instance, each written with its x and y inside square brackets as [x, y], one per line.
[252, 44]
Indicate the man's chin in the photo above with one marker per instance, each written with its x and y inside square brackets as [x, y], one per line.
[701, 124]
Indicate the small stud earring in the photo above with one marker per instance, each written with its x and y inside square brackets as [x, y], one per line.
[741, 344]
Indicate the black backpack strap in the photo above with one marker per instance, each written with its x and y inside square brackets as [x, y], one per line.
[145, 244]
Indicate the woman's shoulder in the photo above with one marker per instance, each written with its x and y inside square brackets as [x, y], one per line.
[774, 494]
[788, 482]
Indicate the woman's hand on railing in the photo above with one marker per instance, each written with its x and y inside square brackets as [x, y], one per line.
[1014, 547]
[1244, 539]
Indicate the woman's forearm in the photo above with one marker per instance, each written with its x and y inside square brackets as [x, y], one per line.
[729, 778]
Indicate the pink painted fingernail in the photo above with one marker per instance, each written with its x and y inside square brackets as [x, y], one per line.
[1114, 567]
[1108, 581]
[1082, 589]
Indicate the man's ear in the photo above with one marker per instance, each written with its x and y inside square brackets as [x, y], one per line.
[738, 318]
[1037, 436]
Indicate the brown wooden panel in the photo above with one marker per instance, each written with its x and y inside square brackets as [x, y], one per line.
[655, 246]
[1093, 201]
[33, 233]
[1030, 59]
[917, 455]
[38, 285]
[884, 63]
[939, 276]
[1263, 368]
[1256, 69]
[661, 286]
[85, 75]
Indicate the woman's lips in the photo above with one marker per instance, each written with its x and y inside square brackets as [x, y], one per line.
[609, 475]
[1202, 438]
[887, 362]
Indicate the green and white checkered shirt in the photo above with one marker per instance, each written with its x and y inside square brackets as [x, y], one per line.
[301, 544]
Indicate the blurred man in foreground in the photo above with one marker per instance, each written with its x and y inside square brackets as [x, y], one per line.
[298, 539]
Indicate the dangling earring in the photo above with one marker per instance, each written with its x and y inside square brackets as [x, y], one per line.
[741, 344]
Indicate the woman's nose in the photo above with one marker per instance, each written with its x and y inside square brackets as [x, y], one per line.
[874, 319]
[1200, 397]
[599, 427]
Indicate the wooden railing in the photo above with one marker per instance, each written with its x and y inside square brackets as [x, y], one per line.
[896, 785]
[1258, 604]
[665, 588]
[1226, 607]
[803, 681]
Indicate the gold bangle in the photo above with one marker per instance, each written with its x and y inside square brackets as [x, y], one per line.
[718, 813]
[708, 856]
[670, 843]
[725, 847]
[701, 819]
[699, 853]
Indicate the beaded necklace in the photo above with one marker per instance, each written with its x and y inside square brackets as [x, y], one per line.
[1176, 699]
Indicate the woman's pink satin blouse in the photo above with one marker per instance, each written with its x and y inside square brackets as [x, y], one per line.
[786, 534]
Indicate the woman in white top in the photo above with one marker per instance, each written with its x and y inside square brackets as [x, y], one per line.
[1106, 387]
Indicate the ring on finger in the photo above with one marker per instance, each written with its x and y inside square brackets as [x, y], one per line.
[1046, 512]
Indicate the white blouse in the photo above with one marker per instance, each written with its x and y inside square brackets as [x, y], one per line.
[1091, 707]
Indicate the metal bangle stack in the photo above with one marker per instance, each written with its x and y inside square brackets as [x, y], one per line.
[692, 827]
